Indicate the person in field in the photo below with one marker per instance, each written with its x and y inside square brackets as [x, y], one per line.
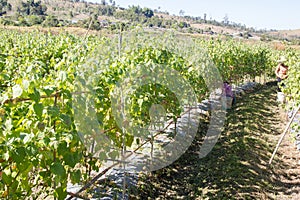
[227, 88]
[227, 91]
[281, 72]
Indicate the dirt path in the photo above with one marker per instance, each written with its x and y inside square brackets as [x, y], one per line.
[237, 166]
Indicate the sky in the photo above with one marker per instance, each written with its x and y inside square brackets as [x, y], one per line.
[259, 14]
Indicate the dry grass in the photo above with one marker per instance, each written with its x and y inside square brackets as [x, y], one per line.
[217, 29]
[287, 33]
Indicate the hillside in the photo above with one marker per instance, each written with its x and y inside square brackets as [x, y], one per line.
[290, 34]
[108, 15]
[102, 102]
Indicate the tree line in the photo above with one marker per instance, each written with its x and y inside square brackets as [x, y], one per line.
[34, 12]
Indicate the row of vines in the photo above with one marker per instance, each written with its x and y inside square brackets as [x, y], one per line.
[43, 75]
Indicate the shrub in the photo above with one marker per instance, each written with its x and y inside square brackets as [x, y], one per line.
[50, 21]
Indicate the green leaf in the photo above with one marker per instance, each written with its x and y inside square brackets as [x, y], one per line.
[38, 109]
[44, 174]
[8, 124]
[6, 156]
[67, 94]
[25, 166]
[14, 185]
[35, 95]
[113, 154]
[75, 176]
[48, 90]
[140, 102]
[32, 150]
[17, 91]
[25, 84]
[62, 76]
[66, 119]
[7, 179]
[102, 155]
[69, 160]
[58, 169]
[53, 111]
[41, 126]
[62, 148]
[129, 140]
[19, 154]
[60, 193]
[28, 137]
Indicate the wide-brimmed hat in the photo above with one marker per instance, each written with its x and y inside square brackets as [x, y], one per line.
[282, 59]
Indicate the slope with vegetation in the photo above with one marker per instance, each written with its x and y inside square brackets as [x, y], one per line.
[41, 146]
[109, 15]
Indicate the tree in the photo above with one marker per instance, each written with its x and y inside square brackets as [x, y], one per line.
[4, 7]
[183, 25]
[181, 12]
[32, 8]
[34, 19]
[71, 14]
[92, 23]
[135, 10]
[50, 21]
[226, 20]
[148, 12]
[110, 11]
[22, 21]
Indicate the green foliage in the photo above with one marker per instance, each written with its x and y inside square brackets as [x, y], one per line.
[50, 21]
[30, 7]
[292, 83]
[6, 21]
[183, 25]
[4, 7]
[148, 12]
[40, 140]
[236, 60]
[33, 12]
[34, 20]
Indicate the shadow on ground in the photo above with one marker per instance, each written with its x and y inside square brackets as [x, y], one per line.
[236, 168]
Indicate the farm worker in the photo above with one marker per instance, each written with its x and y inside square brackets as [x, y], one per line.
[281, 71]
[227, 90]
